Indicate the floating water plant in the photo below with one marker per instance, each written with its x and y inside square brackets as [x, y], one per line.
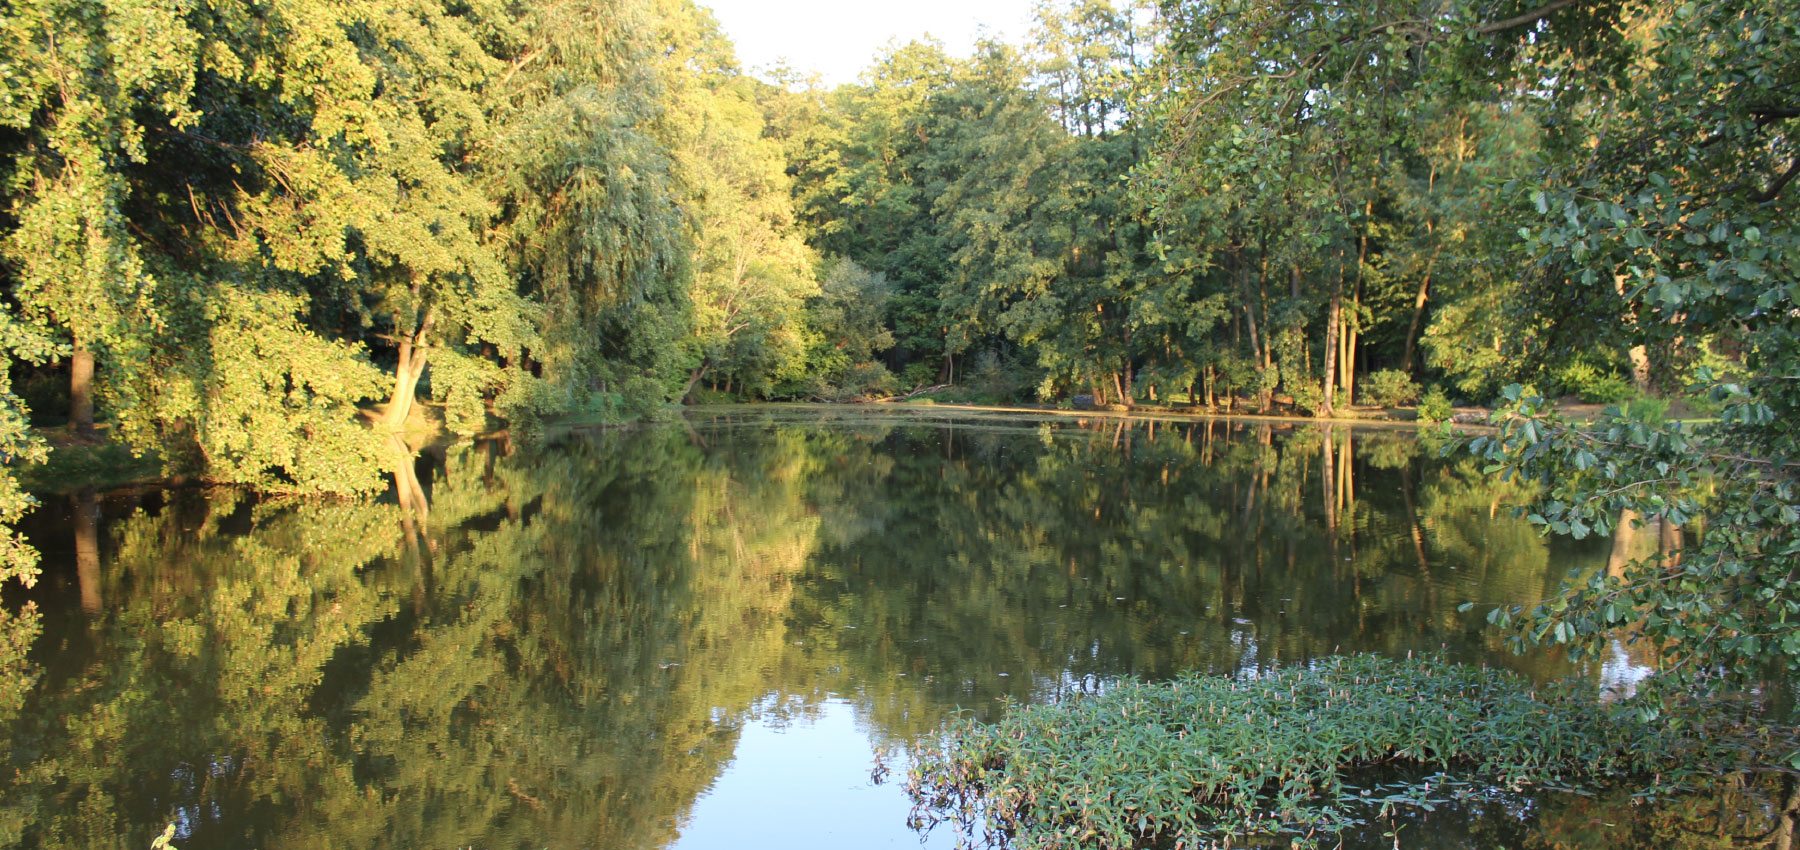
[1209, 761]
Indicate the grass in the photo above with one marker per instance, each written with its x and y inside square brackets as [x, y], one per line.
[76, 463]
[1204, 760]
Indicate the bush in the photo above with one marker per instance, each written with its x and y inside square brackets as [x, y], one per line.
[1389, 388]
[996, 379]
[1435, 406]
[1308, 395]
[870, 378]
[1592, 385]
[1649, 409]
[918, 374]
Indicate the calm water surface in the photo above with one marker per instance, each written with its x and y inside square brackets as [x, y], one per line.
[719, 635]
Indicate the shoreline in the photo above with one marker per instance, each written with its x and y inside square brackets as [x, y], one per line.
[1139, 413]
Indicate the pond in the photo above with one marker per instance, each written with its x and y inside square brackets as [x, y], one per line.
[724, 633]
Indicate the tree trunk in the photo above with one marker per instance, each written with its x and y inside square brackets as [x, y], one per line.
[81, 389]
[694, 379]
[406, 384]
[1332, 323]
[1347, 345]
[1418, 311]
[1640, 355]
[1347, 356]
[407, 371]
[1790, 812]
[1265, 396]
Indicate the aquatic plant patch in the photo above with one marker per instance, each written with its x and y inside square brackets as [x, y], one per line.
[1208, 760]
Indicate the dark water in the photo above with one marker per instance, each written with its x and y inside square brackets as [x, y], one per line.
[710, 636]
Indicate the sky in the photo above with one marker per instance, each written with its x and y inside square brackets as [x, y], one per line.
[839, 38]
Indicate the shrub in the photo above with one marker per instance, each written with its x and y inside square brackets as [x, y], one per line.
[1649, 409]
[1435, 406]
[918, 374]
[864, 380]
[1308, 395]
[1389, 388]
[994, 378]
[1592, 385]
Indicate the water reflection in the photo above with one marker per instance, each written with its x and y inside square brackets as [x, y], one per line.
[686, 635]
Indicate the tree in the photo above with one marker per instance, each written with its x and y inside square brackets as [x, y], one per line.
[1680, 217]
[751, 268]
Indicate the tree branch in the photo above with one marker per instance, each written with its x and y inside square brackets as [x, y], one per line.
[1532, 16]
[1774, 190]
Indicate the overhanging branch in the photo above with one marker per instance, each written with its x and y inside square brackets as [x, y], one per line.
[1532, 16]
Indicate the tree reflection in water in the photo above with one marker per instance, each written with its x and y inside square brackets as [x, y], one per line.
[560, 648]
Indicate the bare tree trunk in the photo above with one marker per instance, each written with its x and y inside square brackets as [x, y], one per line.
[1332, 322]
[1640, 356]
[1418, 313]
[407, 371]
[81, 389]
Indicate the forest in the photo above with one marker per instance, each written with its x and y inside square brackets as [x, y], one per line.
[255, 239]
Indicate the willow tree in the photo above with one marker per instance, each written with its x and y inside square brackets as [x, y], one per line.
[583, 173]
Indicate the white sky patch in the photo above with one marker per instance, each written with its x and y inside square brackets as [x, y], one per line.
[838, 39]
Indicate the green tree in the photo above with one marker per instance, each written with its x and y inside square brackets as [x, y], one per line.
[751, 268]
[1678, 221]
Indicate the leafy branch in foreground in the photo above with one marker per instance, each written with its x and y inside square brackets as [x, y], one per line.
[1723, 608]
[1203, 759]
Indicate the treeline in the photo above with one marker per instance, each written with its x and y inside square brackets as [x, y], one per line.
[237, 230]
[1220, 200]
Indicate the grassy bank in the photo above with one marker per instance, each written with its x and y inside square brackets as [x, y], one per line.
[77, 463]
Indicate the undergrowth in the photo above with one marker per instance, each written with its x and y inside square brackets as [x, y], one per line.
[1207, 761]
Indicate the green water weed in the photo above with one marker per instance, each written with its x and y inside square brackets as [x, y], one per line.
[1203, 760]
